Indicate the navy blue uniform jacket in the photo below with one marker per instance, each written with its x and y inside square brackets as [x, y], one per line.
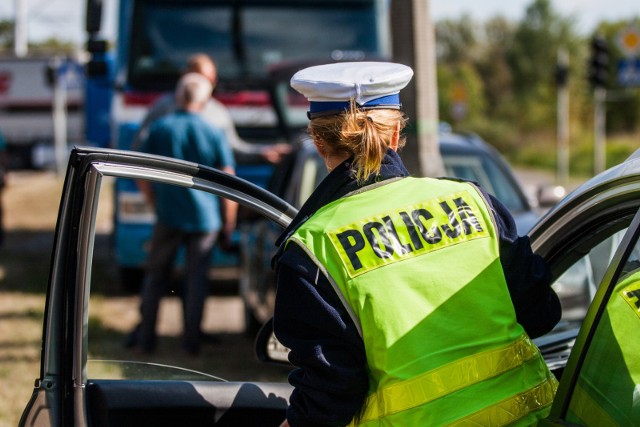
[331, 380]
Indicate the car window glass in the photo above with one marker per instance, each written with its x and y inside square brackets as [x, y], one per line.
[576, 287]
[114, 310]
[487, 174]
[313, 172]
[305, 175]
[607, 391]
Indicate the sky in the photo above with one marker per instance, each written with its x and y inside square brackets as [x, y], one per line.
[587, 13]
[64, 19]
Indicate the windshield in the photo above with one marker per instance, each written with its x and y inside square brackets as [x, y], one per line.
[244, 38]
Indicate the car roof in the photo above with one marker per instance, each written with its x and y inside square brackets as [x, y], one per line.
[612, 178]
[463, 143]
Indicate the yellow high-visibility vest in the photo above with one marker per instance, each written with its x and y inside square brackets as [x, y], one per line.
[416, 264]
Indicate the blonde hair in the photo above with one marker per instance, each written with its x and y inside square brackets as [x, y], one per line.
[365, 135]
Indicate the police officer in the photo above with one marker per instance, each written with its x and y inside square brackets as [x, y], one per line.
[405, 301]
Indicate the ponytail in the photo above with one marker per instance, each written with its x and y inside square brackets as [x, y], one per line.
[363, 134]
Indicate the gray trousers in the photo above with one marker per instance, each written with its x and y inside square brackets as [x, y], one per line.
[164, 247]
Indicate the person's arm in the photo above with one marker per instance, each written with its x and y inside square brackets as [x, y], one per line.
[216, 114]
[331, 380]
[163, 106]
[229, 212]
[4, 168]
[4, 162]
[145, 186]
[528, 277]
[226, 162]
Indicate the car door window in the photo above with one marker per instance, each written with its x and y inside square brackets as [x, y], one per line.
[114, 311]
[607, 387]
[577, 286]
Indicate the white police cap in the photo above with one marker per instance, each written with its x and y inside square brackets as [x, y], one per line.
[330, 88]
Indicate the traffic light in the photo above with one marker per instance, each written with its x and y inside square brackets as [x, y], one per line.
[599, 62]
[561, 74]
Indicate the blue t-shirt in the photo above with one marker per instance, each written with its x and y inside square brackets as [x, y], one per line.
[184, 135]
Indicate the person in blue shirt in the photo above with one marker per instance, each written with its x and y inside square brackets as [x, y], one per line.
[184, 216]
[3, 181]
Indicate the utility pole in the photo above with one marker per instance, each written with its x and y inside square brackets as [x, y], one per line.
[59, 109]
[599, 78]
[413, 44]
[599, 126]
[20, 28]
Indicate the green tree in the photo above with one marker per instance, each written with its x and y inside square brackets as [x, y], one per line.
[460, 88]
[460, 92]
[52, 46]
[6, 35]
[457, 40]
[532, 58]
[623, 106]
[494, 68]
[504, 71]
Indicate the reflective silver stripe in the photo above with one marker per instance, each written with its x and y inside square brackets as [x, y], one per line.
[513, 408]
[448, 378]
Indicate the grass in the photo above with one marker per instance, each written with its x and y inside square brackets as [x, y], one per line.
[30, 207]
[538, 151]
[20, 336]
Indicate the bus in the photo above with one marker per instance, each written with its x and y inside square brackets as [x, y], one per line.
[247, 39]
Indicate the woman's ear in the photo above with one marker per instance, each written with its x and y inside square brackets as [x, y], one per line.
[395, 138]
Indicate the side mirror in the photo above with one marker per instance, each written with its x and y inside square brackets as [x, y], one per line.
[268, 348]
[549, 195]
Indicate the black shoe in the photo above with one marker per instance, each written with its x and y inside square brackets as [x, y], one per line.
[209, 338]
[131, 340]
[191, 349]
[147, 349]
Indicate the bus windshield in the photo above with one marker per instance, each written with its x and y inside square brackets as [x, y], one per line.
[245, 38]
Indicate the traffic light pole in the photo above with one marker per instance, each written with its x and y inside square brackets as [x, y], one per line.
[563, 118]
[599, 122]
[599, 77]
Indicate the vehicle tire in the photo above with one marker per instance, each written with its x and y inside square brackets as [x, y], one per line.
[131, 279]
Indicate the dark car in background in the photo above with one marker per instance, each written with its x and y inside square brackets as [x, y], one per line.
[596, 230]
